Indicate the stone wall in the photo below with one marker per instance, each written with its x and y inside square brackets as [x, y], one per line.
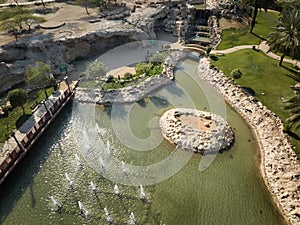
[279, 165]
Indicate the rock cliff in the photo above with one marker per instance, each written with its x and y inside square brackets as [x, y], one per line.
[73, 41]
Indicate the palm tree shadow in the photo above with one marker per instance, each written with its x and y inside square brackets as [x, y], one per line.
[261, 38]
[293, 135]
[293, 71]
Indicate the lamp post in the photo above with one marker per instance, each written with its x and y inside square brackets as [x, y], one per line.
[48, 110]
[17, 141]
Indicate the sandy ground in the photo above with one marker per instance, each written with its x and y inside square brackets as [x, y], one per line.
[121, 71]
[197, 123]
[226, 24]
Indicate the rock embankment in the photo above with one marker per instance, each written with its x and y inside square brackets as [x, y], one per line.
[279, 165]
[211, 135]
[132, 93]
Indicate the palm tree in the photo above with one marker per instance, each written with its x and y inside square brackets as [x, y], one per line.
[256, 4]
[286, 36]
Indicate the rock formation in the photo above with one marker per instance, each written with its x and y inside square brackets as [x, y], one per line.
[196, 130]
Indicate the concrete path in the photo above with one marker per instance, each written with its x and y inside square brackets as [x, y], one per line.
[263, 46]
[20, 133]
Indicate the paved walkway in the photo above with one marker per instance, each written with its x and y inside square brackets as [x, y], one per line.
[20, 133]
[263, 46]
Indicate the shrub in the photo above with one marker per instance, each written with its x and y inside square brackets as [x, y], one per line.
[110, 79]
[127, 76]
[236, 73]
[143, 68]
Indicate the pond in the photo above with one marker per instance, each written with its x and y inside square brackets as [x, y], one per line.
[69, 168]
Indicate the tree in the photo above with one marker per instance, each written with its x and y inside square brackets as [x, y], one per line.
[286, 36]
[84, 3]
[13, 20]
[256, 4]
[39, 76]
[30, 19]
[236, 73]
[95, 70]
[17, 97]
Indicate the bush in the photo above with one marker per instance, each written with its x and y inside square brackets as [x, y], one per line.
[236, 73]
[127, 76]
[143, 68]
[110, 79]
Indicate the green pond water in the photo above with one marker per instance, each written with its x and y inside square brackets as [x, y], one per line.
[230, 191]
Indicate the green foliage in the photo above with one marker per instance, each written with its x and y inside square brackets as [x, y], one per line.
[110, 79]
[236, 74]
[127, 76]
[14, 19]
[143, 68]
[8, 123]
[149, 69]
[38, 76]
[256, 4]
[286, 35]
[234, 37]
[17, 97]
[159, 57]
[270, 82]
[95, 70]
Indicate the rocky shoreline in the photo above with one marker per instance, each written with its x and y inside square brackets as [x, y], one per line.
[211, 135]
[280, 167]
[132, 93]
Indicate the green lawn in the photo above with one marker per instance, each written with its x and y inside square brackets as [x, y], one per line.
[262, 74]
[15, 117]
[234, 37]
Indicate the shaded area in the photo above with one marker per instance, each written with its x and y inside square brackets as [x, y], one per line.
[249, 91]
[159, 101]
[22, 119]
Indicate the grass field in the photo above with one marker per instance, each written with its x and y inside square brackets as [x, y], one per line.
[241, 36]
[16, 118]
[268, 81]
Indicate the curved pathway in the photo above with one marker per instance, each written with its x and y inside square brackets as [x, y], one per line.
[263, 46]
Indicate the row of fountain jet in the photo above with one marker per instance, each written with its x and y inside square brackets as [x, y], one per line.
[84, 212]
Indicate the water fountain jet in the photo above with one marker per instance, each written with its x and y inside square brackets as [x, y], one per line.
[55, 203]
[93, 186]
[83, 210]
[124, 169]
[78, 162]
[143, 196]
[107, 214]
[132, 220]
[116, 190]
[69, 180]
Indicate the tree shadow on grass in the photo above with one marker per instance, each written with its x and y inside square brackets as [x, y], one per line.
[22, 119]
[214, 57]
[249, 91]
[293, 135]
[261, 38]
[296, 74]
